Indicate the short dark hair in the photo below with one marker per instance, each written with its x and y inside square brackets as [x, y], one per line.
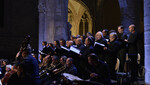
[106, 30]
[51, 44]
[93, 56]
[121, 27]
[114, 35]
[45, 42]
[57, 42]
[133, 26]
[89, 33]
[64, 41]
[90, 40]
[28, 51]
[70, 59]
[64, 58]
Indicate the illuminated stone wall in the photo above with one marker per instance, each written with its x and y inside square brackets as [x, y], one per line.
[53, 20]
[147, 40]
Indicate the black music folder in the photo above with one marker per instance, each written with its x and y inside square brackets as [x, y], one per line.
[64, 48]
[99, 45]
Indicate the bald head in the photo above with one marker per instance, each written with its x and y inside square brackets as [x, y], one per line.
[63, 60]
[69, 62]
[132, 28]
[69, 43]
[78, 41]
[98, 35]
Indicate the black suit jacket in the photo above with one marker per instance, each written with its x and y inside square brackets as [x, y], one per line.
[132, 43]
[100, 51]
[102, 70]
[112, 51]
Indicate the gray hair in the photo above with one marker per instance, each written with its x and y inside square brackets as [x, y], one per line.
[99, 32]
[114, 34]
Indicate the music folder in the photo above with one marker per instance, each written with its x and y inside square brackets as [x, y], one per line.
[107, 40]
[75, 50]
[65, 48]
[42, 53]
[99, 45]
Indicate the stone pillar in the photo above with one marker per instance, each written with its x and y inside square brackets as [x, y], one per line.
[147, 40]
[83, 21]
[52, 20]
[42, 9]
[129, 13]
[61, 18]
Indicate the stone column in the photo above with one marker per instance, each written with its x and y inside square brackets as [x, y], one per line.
[42, 8]
[61, 17]
[52, 20]
[147, 40]
[83, 21]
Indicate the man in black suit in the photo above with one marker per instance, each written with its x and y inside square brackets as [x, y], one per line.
[44, 50]
[132, 51]
[123, 49]
[77, 59]
[88, 48]
[99, 50]
[70, 67]
[112, 50]
[84, 56]
[105, 33]
[97, 70]
[79, 44]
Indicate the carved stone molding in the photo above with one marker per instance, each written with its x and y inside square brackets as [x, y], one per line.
[42, 6]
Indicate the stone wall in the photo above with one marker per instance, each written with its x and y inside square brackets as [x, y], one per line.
[53, 20]
[147, 40]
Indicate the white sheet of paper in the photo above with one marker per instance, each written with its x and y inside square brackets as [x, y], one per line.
[99, 44]
[75, 50]
[65, 48]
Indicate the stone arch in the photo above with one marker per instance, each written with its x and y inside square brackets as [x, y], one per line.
[76, 9]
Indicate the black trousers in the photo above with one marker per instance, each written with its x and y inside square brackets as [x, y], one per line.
[133, 66]
[122, 58]
[111, 61]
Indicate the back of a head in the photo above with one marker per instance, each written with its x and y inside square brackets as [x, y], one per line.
[28, 51]
[112, 31]
[69, 59]
[89, 34]
[64, 58]
[93, 56]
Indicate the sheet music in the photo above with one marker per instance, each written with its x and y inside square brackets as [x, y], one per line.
[75, 50]
[65, 48]
[42, 52]
[72, 77]
[107, 40]
[99, 44]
